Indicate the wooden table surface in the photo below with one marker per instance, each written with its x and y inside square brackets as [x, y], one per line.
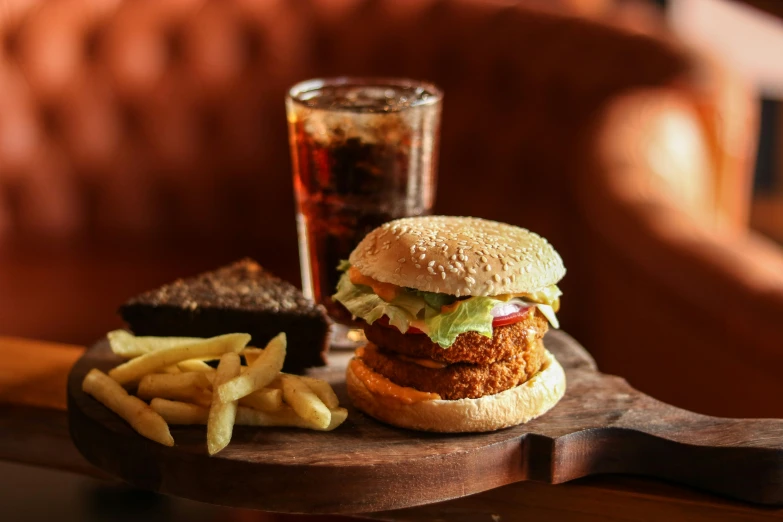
[34, 430]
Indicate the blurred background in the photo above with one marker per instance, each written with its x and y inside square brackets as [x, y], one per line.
[146, 140]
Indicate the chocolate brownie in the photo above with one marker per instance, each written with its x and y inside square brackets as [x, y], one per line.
[241, 297]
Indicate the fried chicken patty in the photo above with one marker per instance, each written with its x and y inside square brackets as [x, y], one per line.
[469, 347]
[458, 380]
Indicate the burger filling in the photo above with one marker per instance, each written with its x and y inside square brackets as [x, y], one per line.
[425, 346]
[470, 347]
[441, 317]
[457, 380]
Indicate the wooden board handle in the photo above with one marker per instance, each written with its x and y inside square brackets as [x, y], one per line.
[741, 458]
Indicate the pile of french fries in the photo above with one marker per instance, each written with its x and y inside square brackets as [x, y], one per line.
[172, 373]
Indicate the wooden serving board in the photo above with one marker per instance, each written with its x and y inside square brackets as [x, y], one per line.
[602, 425]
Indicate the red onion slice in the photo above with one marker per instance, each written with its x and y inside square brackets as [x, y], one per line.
[509, 307]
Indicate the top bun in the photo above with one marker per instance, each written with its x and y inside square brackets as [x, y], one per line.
[461, 256]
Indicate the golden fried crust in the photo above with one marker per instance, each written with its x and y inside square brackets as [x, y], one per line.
[470, 347]
[459, 380]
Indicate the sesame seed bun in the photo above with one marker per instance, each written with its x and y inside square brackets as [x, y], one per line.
[489, 413]
[461, 256]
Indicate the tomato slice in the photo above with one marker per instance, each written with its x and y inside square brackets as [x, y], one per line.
[497, 321]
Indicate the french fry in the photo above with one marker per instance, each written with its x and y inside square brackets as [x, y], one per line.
[185, 390]
[222, 415]
[320, 387]
[189, 387]
[260, 374]
[182, 413]
[175, 412]
[265, 399]
[304, 402]
[287, 417]
[251, 354]
[323, 390]
[211, 375]
[136, 412]
[194, 365]
[135, 369]
[127, 345]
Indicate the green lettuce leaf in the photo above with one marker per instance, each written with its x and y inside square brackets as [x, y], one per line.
[425, 310]
[363, 303]
[549, 313]
[434, 300]
[472, 315]
[548, 296]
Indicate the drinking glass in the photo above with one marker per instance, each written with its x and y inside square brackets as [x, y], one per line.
[364, 152]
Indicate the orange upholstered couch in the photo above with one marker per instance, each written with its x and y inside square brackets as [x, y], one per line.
[143, 140]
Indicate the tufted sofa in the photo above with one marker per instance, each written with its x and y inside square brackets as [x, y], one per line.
[143, 140]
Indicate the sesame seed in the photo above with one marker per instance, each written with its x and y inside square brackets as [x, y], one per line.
[440, 267]
[418, 265]
[454, 257]
[472, 270]
[401, 260]
[466, 290]
[487, 268]
[422, 256]
[430, 270]
[443, 275]
[497, 278]
[483, 259]
[431, 263]
[505, 267]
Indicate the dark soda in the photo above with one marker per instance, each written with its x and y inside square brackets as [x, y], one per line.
[362, 156]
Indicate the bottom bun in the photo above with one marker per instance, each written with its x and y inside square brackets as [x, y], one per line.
[508, 408]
